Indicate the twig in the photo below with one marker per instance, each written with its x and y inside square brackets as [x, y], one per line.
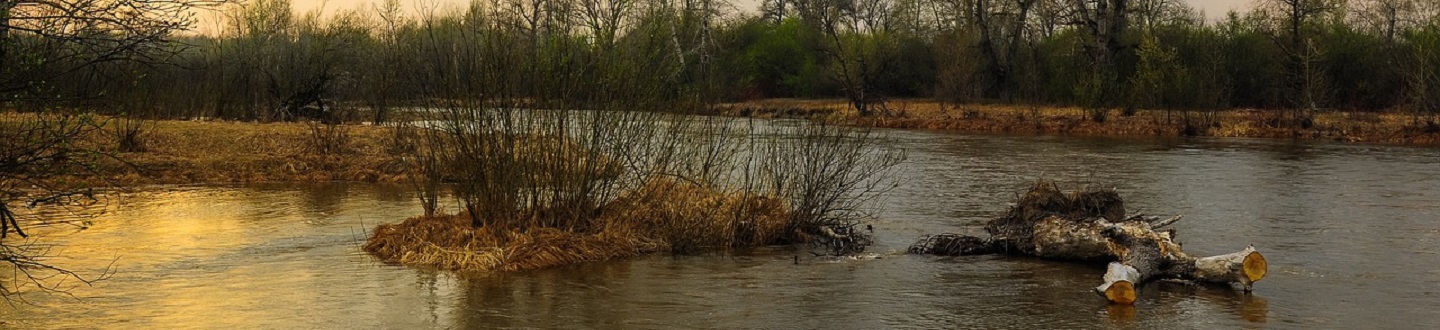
[1157, 224]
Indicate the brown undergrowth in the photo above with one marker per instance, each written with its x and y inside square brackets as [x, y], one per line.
[1363, 127]
[192, 152]
[448, 242]
[664, 215]
[537, 194]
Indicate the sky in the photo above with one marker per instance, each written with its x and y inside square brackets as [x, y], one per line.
[1214, 9]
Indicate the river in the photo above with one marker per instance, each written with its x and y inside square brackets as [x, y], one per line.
[1352, 233]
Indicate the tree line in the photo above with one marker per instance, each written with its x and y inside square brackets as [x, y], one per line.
[270, 63]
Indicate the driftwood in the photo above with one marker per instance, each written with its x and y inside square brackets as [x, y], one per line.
[1091, 226]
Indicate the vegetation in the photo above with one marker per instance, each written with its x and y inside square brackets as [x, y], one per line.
[1353, 126]
[1298, 57]
[557, 121]
[564, 115]
[663, 216]
[608, 184]
[48, 50]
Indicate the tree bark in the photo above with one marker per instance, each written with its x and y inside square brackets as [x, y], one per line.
[1091, 227]
[1142, 258]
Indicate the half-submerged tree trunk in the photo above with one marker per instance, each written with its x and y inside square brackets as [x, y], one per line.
[1091, 226]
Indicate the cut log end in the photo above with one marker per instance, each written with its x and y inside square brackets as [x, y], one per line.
[1121, 292]
[1255, 266]
[1119, 286]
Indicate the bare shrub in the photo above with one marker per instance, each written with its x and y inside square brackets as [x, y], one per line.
[35, 148]
[130, 134]
[329, 139]
[828, 174]
[528, 141]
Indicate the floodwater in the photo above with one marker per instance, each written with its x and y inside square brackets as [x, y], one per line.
[1352, 233]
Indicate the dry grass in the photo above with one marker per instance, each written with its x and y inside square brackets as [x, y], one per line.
[1388, 127]
[449, 243]
[194, 151]
[663, 216]
[188, 152]
[688, 218]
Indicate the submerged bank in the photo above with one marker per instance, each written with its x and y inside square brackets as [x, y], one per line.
[1359, 127]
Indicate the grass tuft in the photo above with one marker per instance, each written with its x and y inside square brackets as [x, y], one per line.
[664, 215]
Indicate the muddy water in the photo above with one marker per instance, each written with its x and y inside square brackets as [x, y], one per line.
[1352, 232]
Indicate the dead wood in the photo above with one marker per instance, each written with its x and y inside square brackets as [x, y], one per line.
[1091, 226]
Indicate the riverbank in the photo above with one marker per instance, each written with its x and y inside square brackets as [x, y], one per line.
[203, 151]
[1357, 127]
[233, 152]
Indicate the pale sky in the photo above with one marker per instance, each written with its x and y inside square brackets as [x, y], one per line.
[1214, 9]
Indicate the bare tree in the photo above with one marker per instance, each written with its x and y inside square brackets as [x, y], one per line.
[34, 148]
[1294, 16]
[605, 18]
[1102, 24]
[859, 41]
[42, 41]
[1002, 30]
[381, 84]
[1421, 63]
[1295, 20]
[297, 61]
[1387, 17]
[1149, 14]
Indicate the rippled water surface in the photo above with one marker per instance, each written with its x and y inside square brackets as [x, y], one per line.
[1352, 234]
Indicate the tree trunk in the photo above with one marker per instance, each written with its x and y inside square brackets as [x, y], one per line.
[1142, 259]
[1092, 227]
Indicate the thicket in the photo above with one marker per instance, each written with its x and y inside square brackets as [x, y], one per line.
[579, 149]
[268, 63]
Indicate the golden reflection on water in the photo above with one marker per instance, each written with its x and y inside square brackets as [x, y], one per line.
[201, 256]
[164, 231]
[1254, 309]
[1120, 315]
[164, 239]
[286, 257]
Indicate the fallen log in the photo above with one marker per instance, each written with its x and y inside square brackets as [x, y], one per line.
[1244, 267]
[1091, 226]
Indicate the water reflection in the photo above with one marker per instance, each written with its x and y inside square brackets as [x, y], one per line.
[1334, 220]
[1121, 315]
